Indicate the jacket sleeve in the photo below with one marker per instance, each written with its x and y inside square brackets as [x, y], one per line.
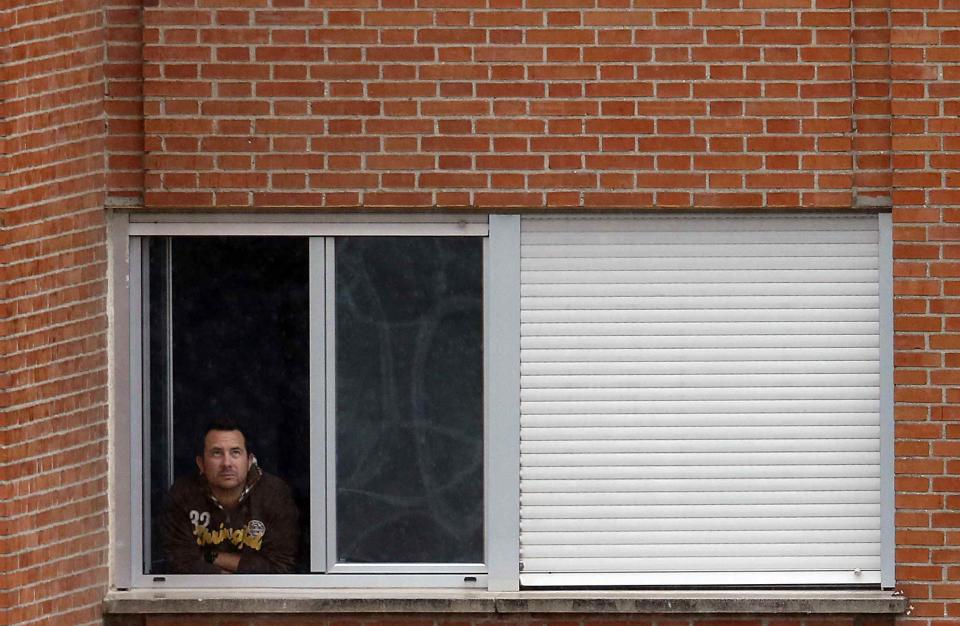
[278, 554]
[183, 554]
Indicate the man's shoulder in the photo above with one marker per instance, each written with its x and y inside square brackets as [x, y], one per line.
[270, 484]
[271, 490]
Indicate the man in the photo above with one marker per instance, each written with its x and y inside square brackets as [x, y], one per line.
[231, 518]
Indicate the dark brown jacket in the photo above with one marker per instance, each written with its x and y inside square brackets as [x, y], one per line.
[264, 526]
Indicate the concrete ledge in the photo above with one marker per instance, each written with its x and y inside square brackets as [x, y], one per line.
[250, 601]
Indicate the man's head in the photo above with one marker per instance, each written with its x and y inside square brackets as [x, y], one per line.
[225, 459]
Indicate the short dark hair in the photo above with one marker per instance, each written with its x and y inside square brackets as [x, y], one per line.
[227, 424]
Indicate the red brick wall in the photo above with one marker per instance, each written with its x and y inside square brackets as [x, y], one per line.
[123, 104]
[53, 472]
[925, 72]
[506, 103]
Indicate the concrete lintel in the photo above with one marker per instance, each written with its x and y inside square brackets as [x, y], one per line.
[867, 201]
[301, 601]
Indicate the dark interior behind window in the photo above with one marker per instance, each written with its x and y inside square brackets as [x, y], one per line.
[228, 337]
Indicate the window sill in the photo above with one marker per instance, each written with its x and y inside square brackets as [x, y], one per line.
[292, 601]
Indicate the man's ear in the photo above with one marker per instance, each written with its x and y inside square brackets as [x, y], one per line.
[200, 463]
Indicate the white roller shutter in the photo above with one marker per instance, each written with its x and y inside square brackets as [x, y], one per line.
[700, 400]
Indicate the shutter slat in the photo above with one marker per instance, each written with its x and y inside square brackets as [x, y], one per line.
[699, 396]
[698, 368]
[685, 355]
[701, 420]
[739, 485]
[695, 250]
[611, 528]
[848, 509]
[653, 446]
[663, 381]
[689, 291]
[698, 329]
[615, 492]
[699, 341]
[659, 316]
[697, 263]
[697, 564]
[615, 499]
[691, 393]
[746, 536]
[689, 225]
[697, 550]
[711, 432]
[703, 459]
[680, 223]
[846, 577]
[595, 277]
[732, 406]
[577, 474]
[532, 304]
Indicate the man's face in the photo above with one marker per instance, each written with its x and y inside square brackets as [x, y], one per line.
[225, 461]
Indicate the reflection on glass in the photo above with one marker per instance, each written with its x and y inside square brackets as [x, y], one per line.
[409, 385]
[227, 339]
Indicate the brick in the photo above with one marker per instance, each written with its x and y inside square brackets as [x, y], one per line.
[919, 466]
[453, 180]
[562, 181]
[919, 573]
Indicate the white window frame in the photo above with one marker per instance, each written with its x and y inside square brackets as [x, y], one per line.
[499, 572]
[501, 288]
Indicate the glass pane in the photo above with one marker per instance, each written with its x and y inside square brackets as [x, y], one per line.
[228, 340]
[409, 400]
[157, 396]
